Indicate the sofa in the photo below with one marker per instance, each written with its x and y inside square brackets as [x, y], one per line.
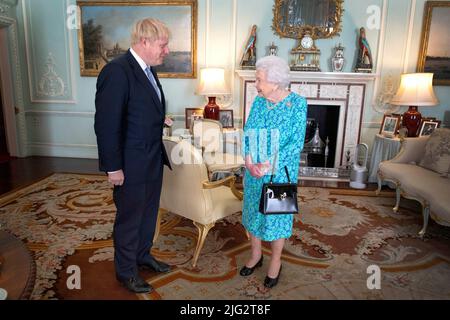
[421, 171]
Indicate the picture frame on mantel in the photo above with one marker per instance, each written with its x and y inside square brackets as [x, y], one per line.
[105, 33]
[434, 55]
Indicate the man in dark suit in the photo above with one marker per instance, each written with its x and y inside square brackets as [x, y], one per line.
[129, 118]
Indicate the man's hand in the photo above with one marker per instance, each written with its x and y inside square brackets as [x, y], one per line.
[116, 177]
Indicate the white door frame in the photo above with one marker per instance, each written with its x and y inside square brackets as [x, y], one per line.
[6, 85]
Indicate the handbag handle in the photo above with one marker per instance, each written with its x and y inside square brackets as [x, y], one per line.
[287, 174]
[273, 169]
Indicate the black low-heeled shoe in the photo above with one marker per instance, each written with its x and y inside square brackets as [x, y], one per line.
[246, 271]
[272, 282]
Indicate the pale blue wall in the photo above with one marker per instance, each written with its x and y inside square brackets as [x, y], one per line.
[64, 127]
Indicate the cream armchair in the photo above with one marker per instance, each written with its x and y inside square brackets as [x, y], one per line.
[208, 136]
[187, 192]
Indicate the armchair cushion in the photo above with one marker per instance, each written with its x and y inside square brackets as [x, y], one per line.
[437, 152]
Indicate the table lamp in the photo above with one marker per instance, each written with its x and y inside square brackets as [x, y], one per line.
[212, 84]
[416, 89]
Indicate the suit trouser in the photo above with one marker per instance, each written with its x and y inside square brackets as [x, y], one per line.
[137, 210]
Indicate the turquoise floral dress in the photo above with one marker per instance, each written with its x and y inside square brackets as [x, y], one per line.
[271, 128]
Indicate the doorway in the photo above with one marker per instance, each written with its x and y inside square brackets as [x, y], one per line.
[8, 128]
[4, 155]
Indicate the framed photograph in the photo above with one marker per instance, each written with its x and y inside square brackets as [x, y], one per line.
[427, 127]
[389, 125]
[399, 121]
[105, 33]
[434, 55]
[226, 118]
[192, 114]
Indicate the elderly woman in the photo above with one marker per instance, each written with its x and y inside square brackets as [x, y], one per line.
[274, 132]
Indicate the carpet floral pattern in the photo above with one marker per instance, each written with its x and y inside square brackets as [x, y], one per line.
[67, 219]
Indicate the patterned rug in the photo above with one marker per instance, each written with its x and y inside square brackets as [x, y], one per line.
[66, 220]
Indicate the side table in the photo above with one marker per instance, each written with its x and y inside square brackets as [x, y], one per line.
[384, 148]
[17, 269]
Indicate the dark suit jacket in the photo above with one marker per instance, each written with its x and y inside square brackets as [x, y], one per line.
[129, 121]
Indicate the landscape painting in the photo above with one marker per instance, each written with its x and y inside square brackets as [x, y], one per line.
[435, 45]
[106, 28]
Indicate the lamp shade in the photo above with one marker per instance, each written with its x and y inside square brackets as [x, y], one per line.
[416, 89]
[212, 82]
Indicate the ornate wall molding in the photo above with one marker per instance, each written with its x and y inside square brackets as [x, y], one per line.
[88, 151]
[48, 86]
[79, 114]
[4, 8]
[6, 5]
[11, 3]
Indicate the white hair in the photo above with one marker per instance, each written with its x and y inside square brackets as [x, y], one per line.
[276, 70]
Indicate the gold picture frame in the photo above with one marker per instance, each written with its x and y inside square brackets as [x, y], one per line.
[105, 32]
[192, 114]
[434, 58]
[293, 23]
[389, 125]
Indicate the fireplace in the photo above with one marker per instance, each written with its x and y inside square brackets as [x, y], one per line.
[336, 103]
[321, 136]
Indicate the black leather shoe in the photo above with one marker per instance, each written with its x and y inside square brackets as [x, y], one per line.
[136, 285]
[246, 271]
[154, 265]
[272, 282]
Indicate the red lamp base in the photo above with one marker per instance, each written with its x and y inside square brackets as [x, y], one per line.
[411, 120]
[211, 110]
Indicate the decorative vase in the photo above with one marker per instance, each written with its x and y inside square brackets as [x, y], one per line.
[338, 59]
[411, 120]
[211, 110]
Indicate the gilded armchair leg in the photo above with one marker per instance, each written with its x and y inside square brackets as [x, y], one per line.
[158, 223]
[397, 196]
[426, 215]
[202, 233]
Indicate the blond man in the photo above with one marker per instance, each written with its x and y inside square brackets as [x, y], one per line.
[129, 119]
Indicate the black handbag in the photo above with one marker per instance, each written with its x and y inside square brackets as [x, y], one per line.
[279, 198]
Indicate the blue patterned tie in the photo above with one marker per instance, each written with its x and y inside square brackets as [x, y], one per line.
[150, 77]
